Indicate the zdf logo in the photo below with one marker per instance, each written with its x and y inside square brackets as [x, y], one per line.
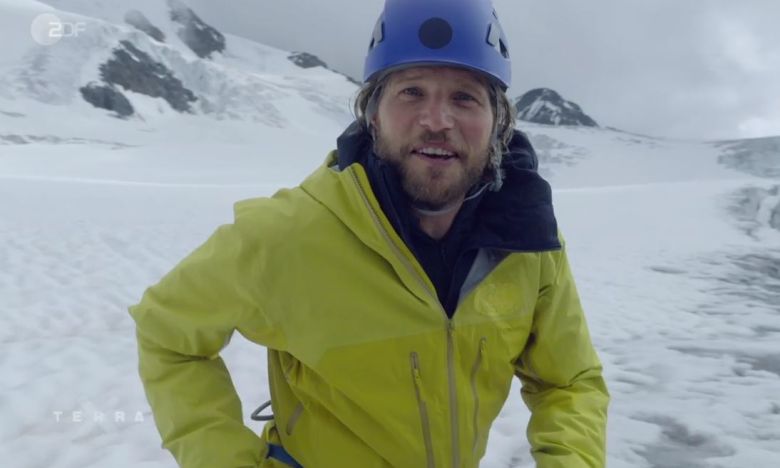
[47, 29]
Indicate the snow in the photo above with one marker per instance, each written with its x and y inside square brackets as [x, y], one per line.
[675, 246]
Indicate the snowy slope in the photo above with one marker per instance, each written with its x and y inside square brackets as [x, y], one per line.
[682, 301]
[675, 246]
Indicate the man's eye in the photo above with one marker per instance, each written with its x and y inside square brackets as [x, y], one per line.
[412, 91]
[464, 97]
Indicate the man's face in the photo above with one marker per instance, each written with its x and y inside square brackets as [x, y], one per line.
[434, 125]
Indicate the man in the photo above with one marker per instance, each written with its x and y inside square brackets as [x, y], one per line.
[398, 289]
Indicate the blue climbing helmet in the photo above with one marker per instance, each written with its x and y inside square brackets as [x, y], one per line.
[462, 33]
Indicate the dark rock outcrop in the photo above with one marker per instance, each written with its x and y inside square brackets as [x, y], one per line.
[107, 97]
[203, 39]
[136, 71]
[545, 106]
[307, 60]
[137, 19]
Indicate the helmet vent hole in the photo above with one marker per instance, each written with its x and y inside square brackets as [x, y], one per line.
[494, 35]
[435, 33]
[378, 35]
[504, 50]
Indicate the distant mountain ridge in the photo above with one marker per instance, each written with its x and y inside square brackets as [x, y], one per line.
[547, 107]
[154, 58]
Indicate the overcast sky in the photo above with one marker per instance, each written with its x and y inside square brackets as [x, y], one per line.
[703, 69]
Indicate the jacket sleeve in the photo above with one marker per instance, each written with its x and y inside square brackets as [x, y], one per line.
[561, 375]
[182, 323]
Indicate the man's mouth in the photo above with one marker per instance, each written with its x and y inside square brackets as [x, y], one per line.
[435, 153]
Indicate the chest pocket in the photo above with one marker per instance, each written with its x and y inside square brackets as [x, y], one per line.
[501, 301]
[501, 306]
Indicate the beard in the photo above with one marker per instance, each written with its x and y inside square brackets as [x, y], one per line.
[432, 188]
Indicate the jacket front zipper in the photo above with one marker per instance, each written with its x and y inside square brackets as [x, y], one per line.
[475, 393]
[426, 425]
[455, 430]
[453, 393]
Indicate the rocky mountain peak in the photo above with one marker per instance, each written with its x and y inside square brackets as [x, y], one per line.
[545, 106]
[202, 38]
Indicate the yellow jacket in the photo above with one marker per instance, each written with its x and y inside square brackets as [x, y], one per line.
[365, 368]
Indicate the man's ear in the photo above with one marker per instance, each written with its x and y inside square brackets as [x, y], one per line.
[372, 130]
[373, 126]
[374, 123]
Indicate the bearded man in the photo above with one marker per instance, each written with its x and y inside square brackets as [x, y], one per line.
[399, 289]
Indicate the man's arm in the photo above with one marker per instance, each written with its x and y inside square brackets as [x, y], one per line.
[561, 375]
[182, 323]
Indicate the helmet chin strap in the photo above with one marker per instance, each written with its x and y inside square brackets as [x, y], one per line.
[440, 212]
[447, 209]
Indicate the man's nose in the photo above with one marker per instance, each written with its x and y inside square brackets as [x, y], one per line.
[436, 115]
